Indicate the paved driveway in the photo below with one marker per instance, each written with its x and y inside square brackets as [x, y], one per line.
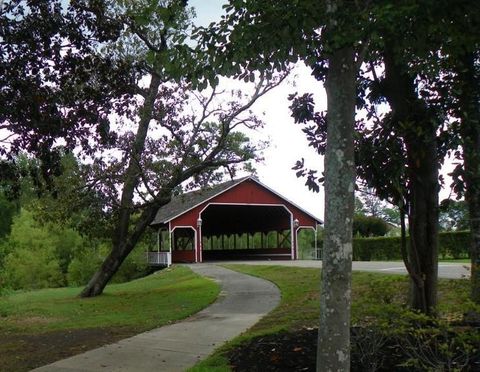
[445, 269]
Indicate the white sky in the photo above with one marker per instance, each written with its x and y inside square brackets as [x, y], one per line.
[287, 141]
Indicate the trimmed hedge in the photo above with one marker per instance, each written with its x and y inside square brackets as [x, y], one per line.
[376, 249]
[453, 244]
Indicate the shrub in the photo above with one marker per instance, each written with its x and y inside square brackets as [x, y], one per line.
[415, 342]
[30, 261]
[9, 209]
[5, 249]
[376, 249]
[454, 244]
[66, 243]
[32, 269]
[369, 226]
[82, 267]
[135, 265]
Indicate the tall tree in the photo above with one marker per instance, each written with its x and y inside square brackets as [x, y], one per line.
[53, 83]
[411, 114]
[447, 61]
[191, 147]
[451, 71]
[262, 35]
[469, 115]
[408, 131]
[107, 79]
[461, 92]
[333, 351]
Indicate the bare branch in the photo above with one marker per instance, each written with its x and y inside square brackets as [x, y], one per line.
[5, 139]
[374, 73]
[260, 90]
[206, 104]
[143, 177]
[361, 54]
[141, 35]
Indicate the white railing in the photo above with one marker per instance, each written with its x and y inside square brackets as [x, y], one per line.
[159, 258]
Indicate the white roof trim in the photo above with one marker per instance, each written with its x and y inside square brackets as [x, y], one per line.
[238, 183]
[292, 203]
[210, 198]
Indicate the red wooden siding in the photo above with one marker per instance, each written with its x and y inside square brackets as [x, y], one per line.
[248, 192]
[183, 256]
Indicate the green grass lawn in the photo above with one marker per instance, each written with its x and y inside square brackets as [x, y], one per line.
[177, 292]
[142, 304]
[376, 296]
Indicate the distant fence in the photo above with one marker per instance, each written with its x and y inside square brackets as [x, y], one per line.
[159, 258]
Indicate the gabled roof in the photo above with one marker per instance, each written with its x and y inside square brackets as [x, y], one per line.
[183, 203]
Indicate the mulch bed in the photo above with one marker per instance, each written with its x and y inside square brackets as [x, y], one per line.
[288, 351]
[25, 352]
[296, 351]
[278, 352]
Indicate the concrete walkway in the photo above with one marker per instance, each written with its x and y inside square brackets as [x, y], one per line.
[242, 302]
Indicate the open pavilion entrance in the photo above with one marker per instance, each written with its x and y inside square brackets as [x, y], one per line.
[238, 219]
[232, 232]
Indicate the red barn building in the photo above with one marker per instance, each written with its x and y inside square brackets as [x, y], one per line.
[238, 219]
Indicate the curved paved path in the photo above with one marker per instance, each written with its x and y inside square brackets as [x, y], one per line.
[242, 302]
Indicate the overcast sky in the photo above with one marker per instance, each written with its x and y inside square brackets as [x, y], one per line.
[287, 142]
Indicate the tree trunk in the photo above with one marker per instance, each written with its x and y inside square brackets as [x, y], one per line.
[423, 218]
[122, 244]
[418, 129]
[469, 108]
[333, 352]
[114, 260]
[133, 172]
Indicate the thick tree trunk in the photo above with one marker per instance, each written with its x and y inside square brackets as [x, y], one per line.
[133, 172]
[122, 244]
[423, 218]
[469, 102]
[474, 212]
[114, 260]
[333, 352]
[419, 133]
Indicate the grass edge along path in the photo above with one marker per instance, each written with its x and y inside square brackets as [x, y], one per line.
[374, 295]
[123, 310]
